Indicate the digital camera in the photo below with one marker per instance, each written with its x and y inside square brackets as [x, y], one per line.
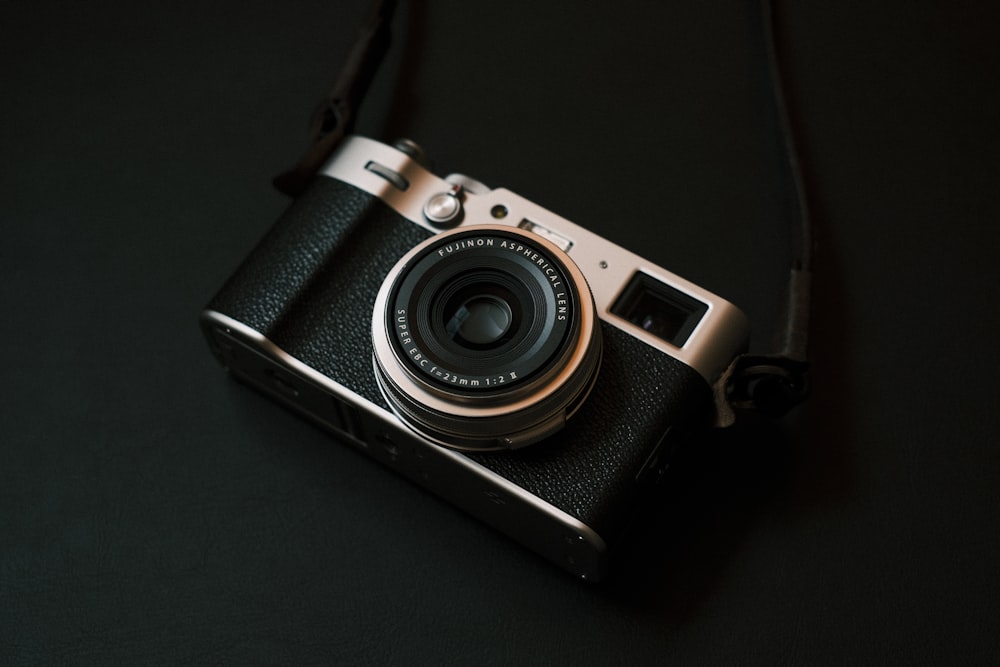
[527, 370]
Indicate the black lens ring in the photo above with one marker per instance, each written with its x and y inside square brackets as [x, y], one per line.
[546, 299]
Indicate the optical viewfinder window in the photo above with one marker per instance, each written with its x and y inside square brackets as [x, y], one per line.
[660, 309]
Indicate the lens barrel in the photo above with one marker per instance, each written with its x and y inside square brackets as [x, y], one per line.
[485, 338]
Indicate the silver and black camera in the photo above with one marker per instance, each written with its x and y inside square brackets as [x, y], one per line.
[527, 370]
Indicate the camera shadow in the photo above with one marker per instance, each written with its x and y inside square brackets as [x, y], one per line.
[717, 487]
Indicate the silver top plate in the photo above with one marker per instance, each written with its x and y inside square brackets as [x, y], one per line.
[720, 334]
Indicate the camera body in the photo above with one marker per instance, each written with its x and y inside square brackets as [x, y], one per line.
[312, 319]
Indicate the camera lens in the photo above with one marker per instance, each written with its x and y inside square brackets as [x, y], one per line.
[485, 337]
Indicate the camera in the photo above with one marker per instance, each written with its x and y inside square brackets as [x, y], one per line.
[531, 372]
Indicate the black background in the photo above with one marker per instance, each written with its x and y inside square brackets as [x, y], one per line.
[153, 511]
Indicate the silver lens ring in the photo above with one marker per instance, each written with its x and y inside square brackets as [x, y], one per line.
[485, 338]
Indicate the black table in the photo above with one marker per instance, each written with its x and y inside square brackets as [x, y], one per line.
[155, 512]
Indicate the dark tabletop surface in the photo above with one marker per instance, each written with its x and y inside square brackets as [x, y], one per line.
[153, 511]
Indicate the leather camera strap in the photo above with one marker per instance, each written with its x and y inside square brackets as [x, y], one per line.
[334, 116]
[772, 384]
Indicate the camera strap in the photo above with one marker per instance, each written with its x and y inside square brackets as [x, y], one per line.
[767, 384]
[772, 384]
[333, 118]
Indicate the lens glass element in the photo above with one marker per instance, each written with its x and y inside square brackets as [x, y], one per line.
[480, 319]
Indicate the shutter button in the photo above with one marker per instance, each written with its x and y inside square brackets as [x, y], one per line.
[444, 209]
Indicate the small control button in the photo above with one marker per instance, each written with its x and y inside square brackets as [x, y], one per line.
[444, 209]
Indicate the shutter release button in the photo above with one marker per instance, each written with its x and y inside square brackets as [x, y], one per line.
[444, 209]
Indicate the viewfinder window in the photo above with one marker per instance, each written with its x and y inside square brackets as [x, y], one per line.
[660, 309]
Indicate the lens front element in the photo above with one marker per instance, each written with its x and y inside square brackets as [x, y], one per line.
[479, 321]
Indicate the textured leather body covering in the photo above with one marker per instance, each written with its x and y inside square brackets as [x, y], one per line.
[310, 286]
